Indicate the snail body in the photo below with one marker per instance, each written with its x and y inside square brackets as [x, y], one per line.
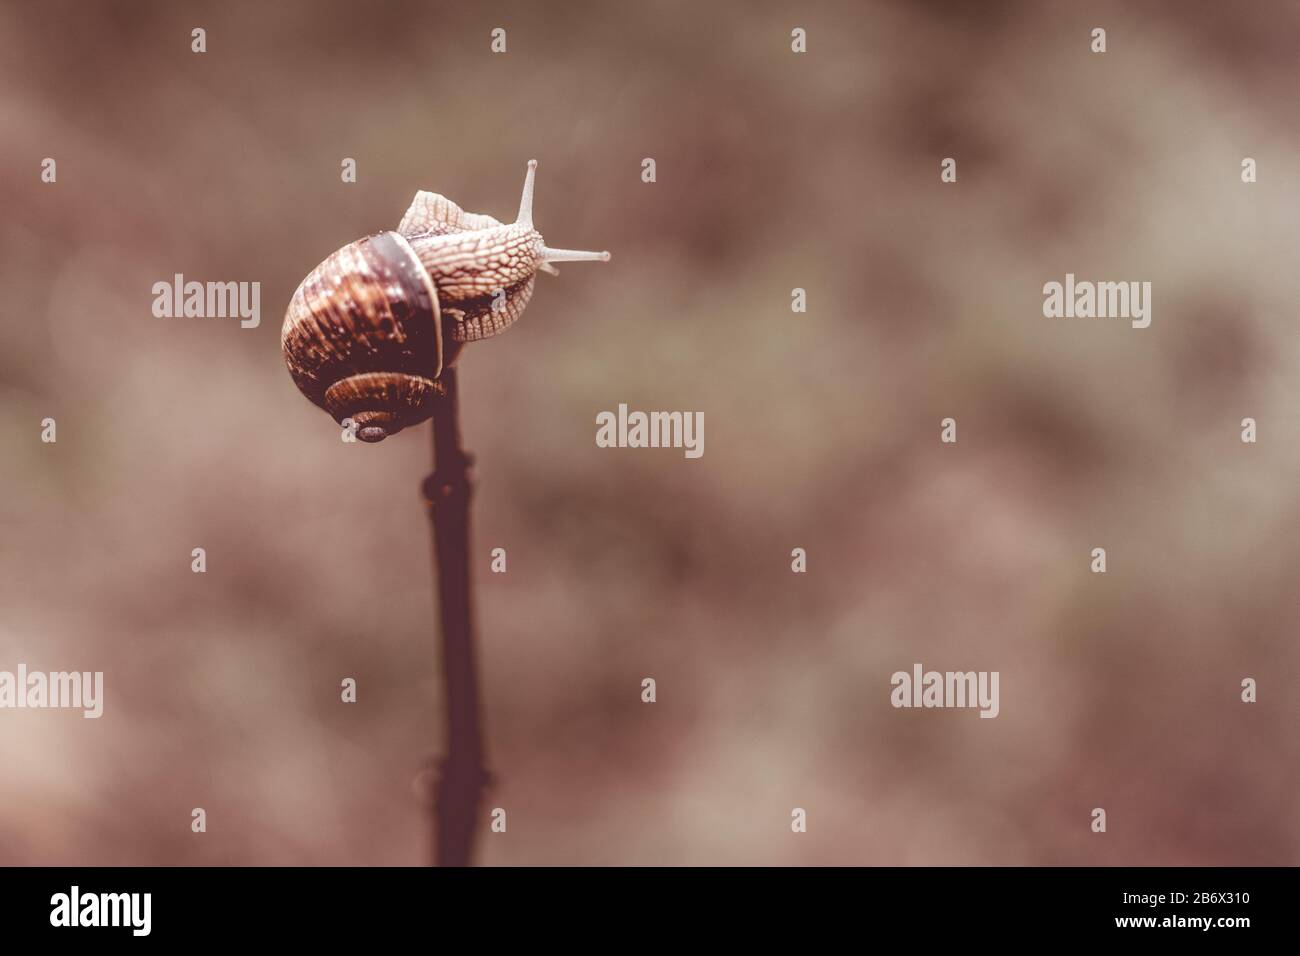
[369, 330]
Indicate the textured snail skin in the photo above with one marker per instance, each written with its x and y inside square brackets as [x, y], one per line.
[474, 271]
[363, 336]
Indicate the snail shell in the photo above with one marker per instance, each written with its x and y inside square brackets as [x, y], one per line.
[363, 336]
[369, 330]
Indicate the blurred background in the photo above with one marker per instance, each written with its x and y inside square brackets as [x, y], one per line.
[775, 171]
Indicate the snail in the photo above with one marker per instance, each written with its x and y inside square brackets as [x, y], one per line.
[364, 334]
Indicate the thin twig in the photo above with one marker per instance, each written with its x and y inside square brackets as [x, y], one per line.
[462, 775]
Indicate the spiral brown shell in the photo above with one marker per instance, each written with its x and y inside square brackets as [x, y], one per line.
[362, 337]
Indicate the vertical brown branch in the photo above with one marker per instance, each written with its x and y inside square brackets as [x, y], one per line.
[462, 775]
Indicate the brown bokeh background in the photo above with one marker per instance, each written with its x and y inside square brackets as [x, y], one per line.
[822, 431]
